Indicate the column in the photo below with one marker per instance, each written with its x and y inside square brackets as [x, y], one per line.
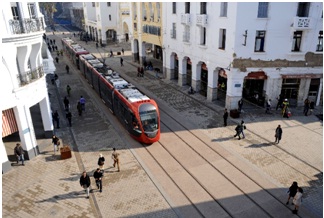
[319, 93]
[182, 71]
[26, 131]
[303, 91]
[196, 73]
[234, 88]
[6, 165]
[46, 117]
[212, 82]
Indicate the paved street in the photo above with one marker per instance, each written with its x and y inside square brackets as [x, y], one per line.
[49, 187]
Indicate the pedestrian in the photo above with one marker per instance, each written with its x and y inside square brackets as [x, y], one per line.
[115, 157]
[61, 51]
[98, 177]
[138, 71]
[311, 107]
[111, 53]
[142, 72]
[67, 69]
[268, 107]
[97, 45]
[19, 152]
[243, 127]
[101, 162]
[123, 51]
[306, 106]
[121, 62]
[49, 48]
[280, 100]
[240, 105]
[54, 41]
[225, 116]
[57, 53]
[69, 117]
[292, 191]
[285, 109]
[56, 48]
[53, 47]
[68, 90]
[298, 199]
[238, 130]
[66, 103]
[57, 119]
[82, 102]
[56, 142]
[79, 107]
[85, 182]
[51, 41]
[278, 134]
[57, 59]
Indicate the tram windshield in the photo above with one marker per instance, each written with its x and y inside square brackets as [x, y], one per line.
[149, 117]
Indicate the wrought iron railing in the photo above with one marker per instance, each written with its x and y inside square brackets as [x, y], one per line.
[26, 25]
[30, 76]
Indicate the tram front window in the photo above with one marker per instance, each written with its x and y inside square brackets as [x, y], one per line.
[149, 118]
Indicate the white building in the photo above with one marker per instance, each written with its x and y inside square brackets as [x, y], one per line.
[243, 49]
[23, 77]
[101, 20]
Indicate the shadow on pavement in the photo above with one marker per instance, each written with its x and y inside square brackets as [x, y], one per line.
[260, 145]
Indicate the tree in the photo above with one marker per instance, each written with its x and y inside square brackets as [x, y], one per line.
[49, 8]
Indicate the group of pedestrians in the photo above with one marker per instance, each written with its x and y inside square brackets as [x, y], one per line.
[85, 181]
[296, 193]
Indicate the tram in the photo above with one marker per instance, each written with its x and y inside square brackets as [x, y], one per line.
[136, 112]
[73, 50]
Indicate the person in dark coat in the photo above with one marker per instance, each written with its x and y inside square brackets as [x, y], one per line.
[240, 105]
[238, 130]
[292, 191]
[98, 177]
[19, 152]
[121, 62]
[56, 59]
[278, 134]
[66, 103]
[56, 118]
[225, 116]
[306, 106]
[67, 69]
[101, 162]
[85, 182]
[56, 143]
[311, 107]
[69, 117]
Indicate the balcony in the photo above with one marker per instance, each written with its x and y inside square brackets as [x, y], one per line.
[30, 76]
[302, 23]
[185, 19]
[186, 37]
[173, 33]
[24, 26]
[201, 20]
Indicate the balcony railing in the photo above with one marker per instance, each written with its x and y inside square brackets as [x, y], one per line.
[185, 19]
[26, 25]
[302, 23]
[201, 20]
[186, 37]
[30, 76]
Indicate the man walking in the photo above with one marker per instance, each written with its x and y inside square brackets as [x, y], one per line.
[225, 116]
[68, 90]
[85, 183]
[98, 177]
[268, 106]
[121, 62]
[278, 134]
[19, 152]
[79, 107]
[82, 102]
[123, 51]
[238, 130]
[66, 103]
[240, 105]
[56, 143]
[67, 69]
[56, 118]
[115, 157]
[69, 117]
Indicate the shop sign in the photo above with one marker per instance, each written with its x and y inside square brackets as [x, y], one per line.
[300, 76]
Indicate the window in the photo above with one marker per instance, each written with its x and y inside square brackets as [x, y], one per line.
[186, 34]
[222, 39]
[15, 14]
[109, 16]
[174, 7]
[93, 4]
[319, 46]
[263, 10]
[108, 4]
[297, 41]
[174, 31]
[31, 10]
[223, 12]
[203, 36]
[203, 8]
[259, 41]
[187, 7]
[303, 9]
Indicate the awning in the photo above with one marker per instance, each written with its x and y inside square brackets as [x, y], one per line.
[257, 75]
[299, 76]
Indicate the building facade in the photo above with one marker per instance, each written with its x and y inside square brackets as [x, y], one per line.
[23, 83]
[76, 13]
[276, 48]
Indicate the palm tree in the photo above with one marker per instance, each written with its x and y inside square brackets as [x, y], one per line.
[49, 8]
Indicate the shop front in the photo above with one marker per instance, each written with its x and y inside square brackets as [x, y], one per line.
[253, 87]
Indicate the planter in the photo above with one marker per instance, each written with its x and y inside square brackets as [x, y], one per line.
[234, 113]
[65, 152]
